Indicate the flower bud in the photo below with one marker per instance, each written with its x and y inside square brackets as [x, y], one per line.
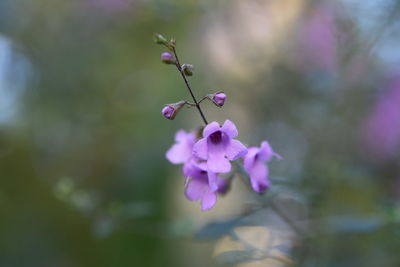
[159, 39]
[170, 110]
[188, 69]
[167, 58]
[219, 99]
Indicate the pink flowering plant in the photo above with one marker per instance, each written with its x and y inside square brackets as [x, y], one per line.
[207, 156]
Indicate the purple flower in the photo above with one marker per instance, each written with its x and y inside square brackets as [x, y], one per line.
[254, 164]
[218, 147]
[181, 152]
[197, 186]
[219, 99]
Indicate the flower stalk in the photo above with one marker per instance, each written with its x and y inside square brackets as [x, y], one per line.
[179, 67]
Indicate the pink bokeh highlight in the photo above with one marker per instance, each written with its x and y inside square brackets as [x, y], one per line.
[381, 129]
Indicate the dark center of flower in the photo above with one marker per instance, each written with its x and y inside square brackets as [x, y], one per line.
[256, 157]
[216, 137]
[203, 172]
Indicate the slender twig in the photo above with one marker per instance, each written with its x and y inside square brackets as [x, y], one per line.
[179, 67]
[190, 104]
[201, 100]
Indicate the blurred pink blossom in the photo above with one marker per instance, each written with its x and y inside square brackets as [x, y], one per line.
[318, 43]
[381, 130]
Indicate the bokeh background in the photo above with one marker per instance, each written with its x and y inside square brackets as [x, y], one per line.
[84, 179]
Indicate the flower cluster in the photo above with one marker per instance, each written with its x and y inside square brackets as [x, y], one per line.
[207, 160]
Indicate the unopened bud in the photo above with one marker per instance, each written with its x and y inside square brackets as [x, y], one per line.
[167, 58]
[170, 110]
[219, 99]
[159, 39]
[188, 69]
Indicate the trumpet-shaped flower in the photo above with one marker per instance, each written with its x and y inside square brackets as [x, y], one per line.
[197, 186]
[255, 165]
[217, 147]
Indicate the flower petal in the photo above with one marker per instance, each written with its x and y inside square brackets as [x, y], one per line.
[180, 136]
[266, 152]
[179, 153]
[218, 164]
[230, 129]
[213, 181]
[182, 150]
[208, 201]
[195, 169]
[249, 158]
[259, 176]
[216, 161]
[200, 149]
[196, 189]
[235, 149]
[189, 169]
[210, 128]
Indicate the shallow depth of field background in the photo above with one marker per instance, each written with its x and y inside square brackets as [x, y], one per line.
[84, 179]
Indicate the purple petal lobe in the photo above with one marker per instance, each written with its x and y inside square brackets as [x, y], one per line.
[210, 128]
[195, 169]
[235, 149]
[213, 181]
[200, 149]
[178, 154]
[249, 158]
[196, 189]
[187, 169]
[230, 129]
[218, 164]
[216, 161]
[259, 177]
[181, 136]
[208, 201]
[182, 150]
[266, 151]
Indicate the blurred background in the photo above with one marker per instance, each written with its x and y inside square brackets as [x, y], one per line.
[84, 179]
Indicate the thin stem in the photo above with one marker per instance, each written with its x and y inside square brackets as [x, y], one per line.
[190, 104]
[204, 98]
[179, 67]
